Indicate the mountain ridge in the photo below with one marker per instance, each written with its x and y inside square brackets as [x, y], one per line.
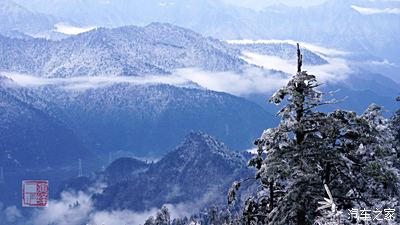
[193, 170]
[158, 48]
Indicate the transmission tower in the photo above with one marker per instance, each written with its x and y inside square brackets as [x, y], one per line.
[2, 181]
[80, 171]
[110, 158]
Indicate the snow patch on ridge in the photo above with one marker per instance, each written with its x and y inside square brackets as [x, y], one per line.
[71, 30]
[371, 11]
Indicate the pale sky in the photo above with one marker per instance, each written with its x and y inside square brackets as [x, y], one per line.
[259, 4]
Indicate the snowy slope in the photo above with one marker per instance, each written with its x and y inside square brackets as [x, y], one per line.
[15, 17]
[283, 50]
[197, 173]
[344, 24]
[33, 130]
[344, 72]
[154, 49]
[149, 119]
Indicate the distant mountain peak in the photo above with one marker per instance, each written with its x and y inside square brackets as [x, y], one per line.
[204, 142]
[200, 165]
[198, 147]
[158, 48]
[164, 25]
[11, 5]
[15, 17]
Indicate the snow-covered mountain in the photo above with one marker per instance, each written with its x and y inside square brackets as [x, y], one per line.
[147, 120]
[370, 27]
[124, 116]
[35, 142]
[343, 72]
[282, 50]
[200, 169]
[16, 18]
[139, 90]
[44, 131]
[338, 24]
[199, 15]
[48, 127]
[82, 89]
[32, 131]
[154, 49]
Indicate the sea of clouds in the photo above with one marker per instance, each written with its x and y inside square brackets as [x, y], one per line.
[78, 209]
[263, 75]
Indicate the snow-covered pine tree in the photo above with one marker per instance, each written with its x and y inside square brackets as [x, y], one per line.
[149, 221]
[395, 124]
[379, 167]
[395, 127]
[290, 174]
[329, 213]
[162, 218]
[310, 150]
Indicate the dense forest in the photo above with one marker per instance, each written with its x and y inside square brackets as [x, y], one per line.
[315, 167]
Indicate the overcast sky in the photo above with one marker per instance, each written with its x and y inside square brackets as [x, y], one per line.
[259, 4]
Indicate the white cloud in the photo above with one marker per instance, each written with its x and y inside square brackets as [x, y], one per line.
[120, 217]
[71, 30]
[11, 215]
[337, 69]
[252, 80]
[312, 47]
[163, 4]
[78, 209]
[71, 209]
[384, 62]
[371, 11]
[84, 83]
[105, 2]
[270, 62]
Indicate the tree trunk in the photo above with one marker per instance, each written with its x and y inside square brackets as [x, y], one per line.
[327, 174]
[301, 217]
[271, 195]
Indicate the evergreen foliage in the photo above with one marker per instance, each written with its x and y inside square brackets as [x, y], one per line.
[351, 155]
[314, 167]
